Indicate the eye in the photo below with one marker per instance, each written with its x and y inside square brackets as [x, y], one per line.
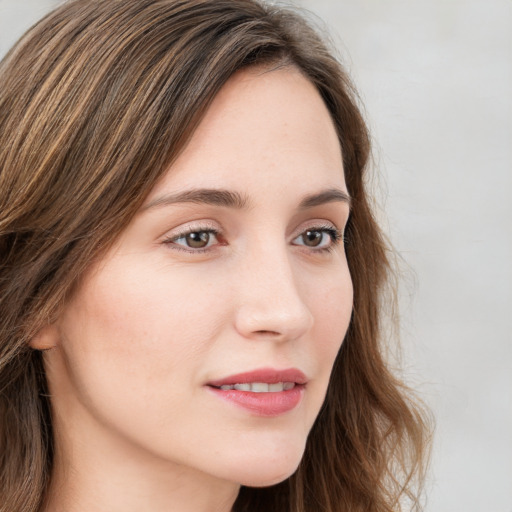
[194, 241]
[319, 238]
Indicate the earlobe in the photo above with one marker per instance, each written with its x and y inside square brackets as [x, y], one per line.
[46, 339]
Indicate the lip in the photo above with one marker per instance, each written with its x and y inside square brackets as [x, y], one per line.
[269, 375]
[268, 404]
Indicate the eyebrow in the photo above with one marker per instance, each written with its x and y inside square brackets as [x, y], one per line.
[231, 199]
[330, 195]
[215, 197]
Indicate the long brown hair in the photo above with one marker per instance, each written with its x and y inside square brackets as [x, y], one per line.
[96, 102]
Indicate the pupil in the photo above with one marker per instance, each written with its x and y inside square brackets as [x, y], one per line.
[312, 238]
[198, 239]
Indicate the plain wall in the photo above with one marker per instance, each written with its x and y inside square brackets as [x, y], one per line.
[436, 79]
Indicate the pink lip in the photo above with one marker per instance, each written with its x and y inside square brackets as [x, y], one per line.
[263, 404]
[268, 375]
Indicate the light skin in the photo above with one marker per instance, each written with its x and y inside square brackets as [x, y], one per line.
[165, 312]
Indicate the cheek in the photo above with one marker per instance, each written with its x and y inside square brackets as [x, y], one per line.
[140, 307]
[332, 310]
[133, 345]
[133, 331]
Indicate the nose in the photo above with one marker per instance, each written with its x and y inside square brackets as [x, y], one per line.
[270, 302]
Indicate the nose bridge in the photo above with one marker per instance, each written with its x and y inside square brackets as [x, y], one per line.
[270, 300]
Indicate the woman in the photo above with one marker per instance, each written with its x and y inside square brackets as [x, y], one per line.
[191, 275]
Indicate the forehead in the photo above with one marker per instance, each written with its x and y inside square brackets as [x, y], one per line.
[265, 127]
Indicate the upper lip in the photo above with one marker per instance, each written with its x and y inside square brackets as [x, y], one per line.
[268, 375]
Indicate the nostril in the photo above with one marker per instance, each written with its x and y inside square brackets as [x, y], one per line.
[271, 320]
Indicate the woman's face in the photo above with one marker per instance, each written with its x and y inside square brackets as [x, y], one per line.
[235, 264]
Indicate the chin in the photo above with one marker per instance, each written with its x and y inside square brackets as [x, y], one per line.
[267, 480]
[265, 473]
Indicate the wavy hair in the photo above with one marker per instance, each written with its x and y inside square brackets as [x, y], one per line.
[96, 102]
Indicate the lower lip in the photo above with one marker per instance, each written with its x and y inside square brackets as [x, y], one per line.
[263, 404]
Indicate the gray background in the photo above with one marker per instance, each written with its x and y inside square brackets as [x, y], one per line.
[436, 79]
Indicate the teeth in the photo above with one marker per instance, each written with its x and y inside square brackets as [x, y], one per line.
[259, 387]
[242, 387]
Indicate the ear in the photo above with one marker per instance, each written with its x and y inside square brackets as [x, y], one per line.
[46, 339]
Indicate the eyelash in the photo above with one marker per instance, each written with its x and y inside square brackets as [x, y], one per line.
[334, 234]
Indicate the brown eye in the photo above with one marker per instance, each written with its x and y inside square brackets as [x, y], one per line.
[319, 239]
[194, 240]
[313, 238]
[197, 239]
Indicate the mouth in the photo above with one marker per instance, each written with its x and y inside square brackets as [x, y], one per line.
[258, 387]
[265, 392]
[260, 380]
